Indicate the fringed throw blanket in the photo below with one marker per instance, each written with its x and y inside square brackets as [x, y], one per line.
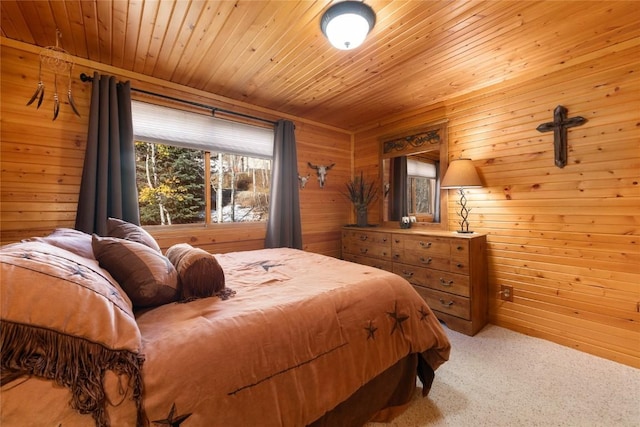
[64, 319]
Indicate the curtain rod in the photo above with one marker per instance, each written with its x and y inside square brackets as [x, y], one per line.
[86, 78]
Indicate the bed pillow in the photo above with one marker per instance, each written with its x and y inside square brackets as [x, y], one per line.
[147, 276]
[200, 275]
[65, 319]
[128, 231]
[67, 238]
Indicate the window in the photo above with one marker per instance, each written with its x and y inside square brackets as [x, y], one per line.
[421, 187]
[194, 168]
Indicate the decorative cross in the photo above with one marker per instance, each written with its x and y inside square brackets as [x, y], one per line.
[559, 127]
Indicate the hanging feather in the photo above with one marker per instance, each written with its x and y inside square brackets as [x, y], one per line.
[56, 101]
[41, 98]
[40, 89]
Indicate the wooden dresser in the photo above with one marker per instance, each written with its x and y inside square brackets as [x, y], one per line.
[449, 270]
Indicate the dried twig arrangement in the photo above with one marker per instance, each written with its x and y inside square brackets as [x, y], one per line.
[360, 192]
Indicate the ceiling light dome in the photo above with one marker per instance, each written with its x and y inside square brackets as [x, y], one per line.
[346, 24]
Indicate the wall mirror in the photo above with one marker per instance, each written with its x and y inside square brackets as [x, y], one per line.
[412, 167]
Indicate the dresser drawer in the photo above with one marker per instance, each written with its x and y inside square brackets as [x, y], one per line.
[421, 259]
[363, 249]
[424, 245]
[447, 282]
[368, 237]
[372, 262]
[413, 274]
[454, 305]
[459, 248]
[459, 265]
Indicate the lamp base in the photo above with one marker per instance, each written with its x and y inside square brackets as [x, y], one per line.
[464, 213]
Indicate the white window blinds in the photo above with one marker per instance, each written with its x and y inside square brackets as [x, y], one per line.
[170, 126]
[422, 169]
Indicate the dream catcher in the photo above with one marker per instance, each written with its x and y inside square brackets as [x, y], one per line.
[56, 59]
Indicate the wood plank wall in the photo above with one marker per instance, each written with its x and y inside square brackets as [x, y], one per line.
[41, 161]
[567, 240]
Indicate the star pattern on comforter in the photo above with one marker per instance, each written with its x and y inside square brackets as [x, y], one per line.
[398, 319]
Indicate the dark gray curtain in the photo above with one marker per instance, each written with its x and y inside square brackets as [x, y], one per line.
[284, 227]
[399, 188]
[108, 187]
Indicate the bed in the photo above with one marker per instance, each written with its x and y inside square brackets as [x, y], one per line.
[294, 339]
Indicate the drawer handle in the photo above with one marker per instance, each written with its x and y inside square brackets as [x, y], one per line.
[364, 237]
[364, 250]
[460, 248]
[446, 304]
[425, 245]
[459, 265]
[384, 240]
[445, 283]
[407, 273]
[425, 261]
[396, 256]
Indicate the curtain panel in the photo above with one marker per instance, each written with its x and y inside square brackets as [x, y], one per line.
[399, 188]
[436, 215]
[108, 186]
[284, 226]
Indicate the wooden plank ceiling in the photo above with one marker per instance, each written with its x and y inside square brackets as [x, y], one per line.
[273, 54]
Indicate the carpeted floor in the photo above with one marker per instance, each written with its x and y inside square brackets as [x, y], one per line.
[503, 378]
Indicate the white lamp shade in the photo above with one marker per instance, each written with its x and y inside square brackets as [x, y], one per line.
[346, 24]
[461, 173]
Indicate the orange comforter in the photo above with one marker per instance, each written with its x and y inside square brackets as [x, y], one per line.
[302, 333]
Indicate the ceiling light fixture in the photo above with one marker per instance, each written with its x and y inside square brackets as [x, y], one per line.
[346, 24]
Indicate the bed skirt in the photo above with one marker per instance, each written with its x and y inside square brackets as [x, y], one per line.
[383, 398]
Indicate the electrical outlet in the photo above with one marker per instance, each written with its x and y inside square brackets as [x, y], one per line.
[506, 293]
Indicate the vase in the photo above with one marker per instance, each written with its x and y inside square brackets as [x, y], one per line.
[361, 216]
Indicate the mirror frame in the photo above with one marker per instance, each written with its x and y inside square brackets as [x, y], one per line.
[414, 141]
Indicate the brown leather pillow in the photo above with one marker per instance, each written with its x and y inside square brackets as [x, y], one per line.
[200, 275]
[147, 276]
[128, 231]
